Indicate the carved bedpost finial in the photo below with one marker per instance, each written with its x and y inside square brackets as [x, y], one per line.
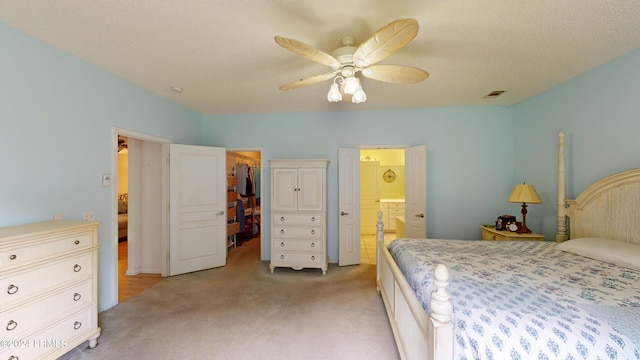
[441, 306]
[379, 244]
[561, 232]
[379, 228]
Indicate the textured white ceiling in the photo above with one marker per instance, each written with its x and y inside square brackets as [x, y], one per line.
[223, 53]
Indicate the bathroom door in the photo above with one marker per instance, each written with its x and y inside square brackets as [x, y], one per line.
[415, 190]
[348, 206]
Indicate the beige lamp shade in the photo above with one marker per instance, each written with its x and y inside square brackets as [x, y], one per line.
[524, 193]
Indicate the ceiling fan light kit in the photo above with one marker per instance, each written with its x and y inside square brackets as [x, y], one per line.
[334, 94]
[348, 60]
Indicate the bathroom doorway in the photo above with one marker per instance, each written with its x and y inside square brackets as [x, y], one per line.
[382, 175]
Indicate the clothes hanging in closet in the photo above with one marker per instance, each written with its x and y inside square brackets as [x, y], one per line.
[245, 185]
[240, 214]
[256, 180]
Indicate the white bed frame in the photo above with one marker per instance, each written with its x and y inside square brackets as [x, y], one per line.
[608, 208]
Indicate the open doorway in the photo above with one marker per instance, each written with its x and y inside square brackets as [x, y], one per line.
[147, 195]
[138, 194]
[244, 206]
[382, 182]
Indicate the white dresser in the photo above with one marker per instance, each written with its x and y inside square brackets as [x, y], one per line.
[299, 214]
[48, 288]
[391, 208]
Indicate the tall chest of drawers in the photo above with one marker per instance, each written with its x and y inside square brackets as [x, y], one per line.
[299, 214]
[48, 288]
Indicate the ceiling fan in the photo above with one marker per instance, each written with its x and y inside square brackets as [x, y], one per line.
[349, 60]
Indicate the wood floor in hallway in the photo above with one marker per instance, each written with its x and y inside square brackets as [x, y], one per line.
[130, 285]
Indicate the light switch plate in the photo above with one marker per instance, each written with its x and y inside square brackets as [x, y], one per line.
[106, 180]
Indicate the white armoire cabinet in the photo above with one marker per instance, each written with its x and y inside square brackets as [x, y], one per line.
[49, 288]
[299, 214]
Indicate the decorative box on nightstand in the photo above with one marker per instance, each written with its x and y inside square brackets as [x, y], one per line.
[490, 233]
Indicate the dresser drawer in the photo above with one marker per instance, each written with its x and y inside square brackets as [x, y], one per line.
[297, 232]
[490, 233]
[20, 285]
[395, 206]
[296, 219]
[308, 259]
[305, 245]
[487, 235]
[36, 314]
[10, 258]
[52, 339]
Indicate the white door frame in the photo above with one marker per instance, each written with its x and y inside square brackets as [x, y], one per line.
[114, 196]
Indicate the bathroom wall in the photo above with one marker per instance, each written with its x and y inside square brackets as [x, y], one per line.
[390, 159]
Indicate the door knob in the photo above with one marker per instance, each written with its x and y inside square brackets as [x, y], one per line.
[342, 213]
[420, 215]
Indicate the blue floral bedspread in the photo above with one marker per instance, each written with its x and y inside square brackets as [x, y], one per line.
[527, 300]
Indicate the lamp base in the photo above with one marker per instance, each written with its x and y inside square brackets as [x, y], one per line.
[522, 229]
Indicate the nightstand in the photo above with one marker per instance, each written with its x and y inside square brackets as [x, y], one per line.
[490, 233]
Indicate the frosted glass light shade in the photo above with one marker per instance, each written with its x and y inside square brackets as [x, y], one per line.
[351, 85]
[359, 97]
[334, 94]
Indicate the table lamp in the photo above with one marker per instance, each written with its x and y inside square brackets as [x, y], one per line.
[524, 193]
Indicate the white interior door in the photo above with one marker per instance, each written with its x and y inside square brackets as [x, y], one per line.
[197, 208]
[416, 192]
[348, 206]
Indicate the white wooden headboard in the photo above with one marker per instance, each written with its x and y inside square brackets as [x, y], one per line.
[608, 208]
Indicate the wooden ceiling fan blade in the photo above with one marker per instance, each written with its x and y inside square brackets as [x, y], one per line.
[385, 42]
[395, 74]
[308, 52]
[308, 81]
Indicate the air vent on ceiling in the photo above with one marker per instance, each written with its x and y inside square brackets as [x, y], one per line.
[495, 94]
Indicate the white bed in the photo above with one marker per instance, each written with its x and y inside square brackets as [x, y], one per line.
[609, 208]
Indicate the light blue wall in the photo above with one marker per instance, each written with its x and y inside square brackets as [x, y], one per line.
[56, 121]
[600, 113]
[469, 157]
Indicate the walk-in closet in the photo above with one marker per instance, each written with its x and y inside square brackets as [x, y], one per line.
[243, 197]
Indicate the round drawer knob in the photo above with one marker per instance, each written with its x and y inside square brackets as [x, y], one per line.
[77, 325]
[77, 242]
[313, 244]
[12, 289]
[13, 257]
[282, 231]
[77, 268]
[313, 232]
[313, 257]
[313, 218]
[11, 325]
[76, 297]
[282, 218]
[282, 244]
[281, 257]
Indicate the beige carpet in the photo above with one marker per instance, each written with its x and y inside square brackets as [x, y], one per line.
[242, 311]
